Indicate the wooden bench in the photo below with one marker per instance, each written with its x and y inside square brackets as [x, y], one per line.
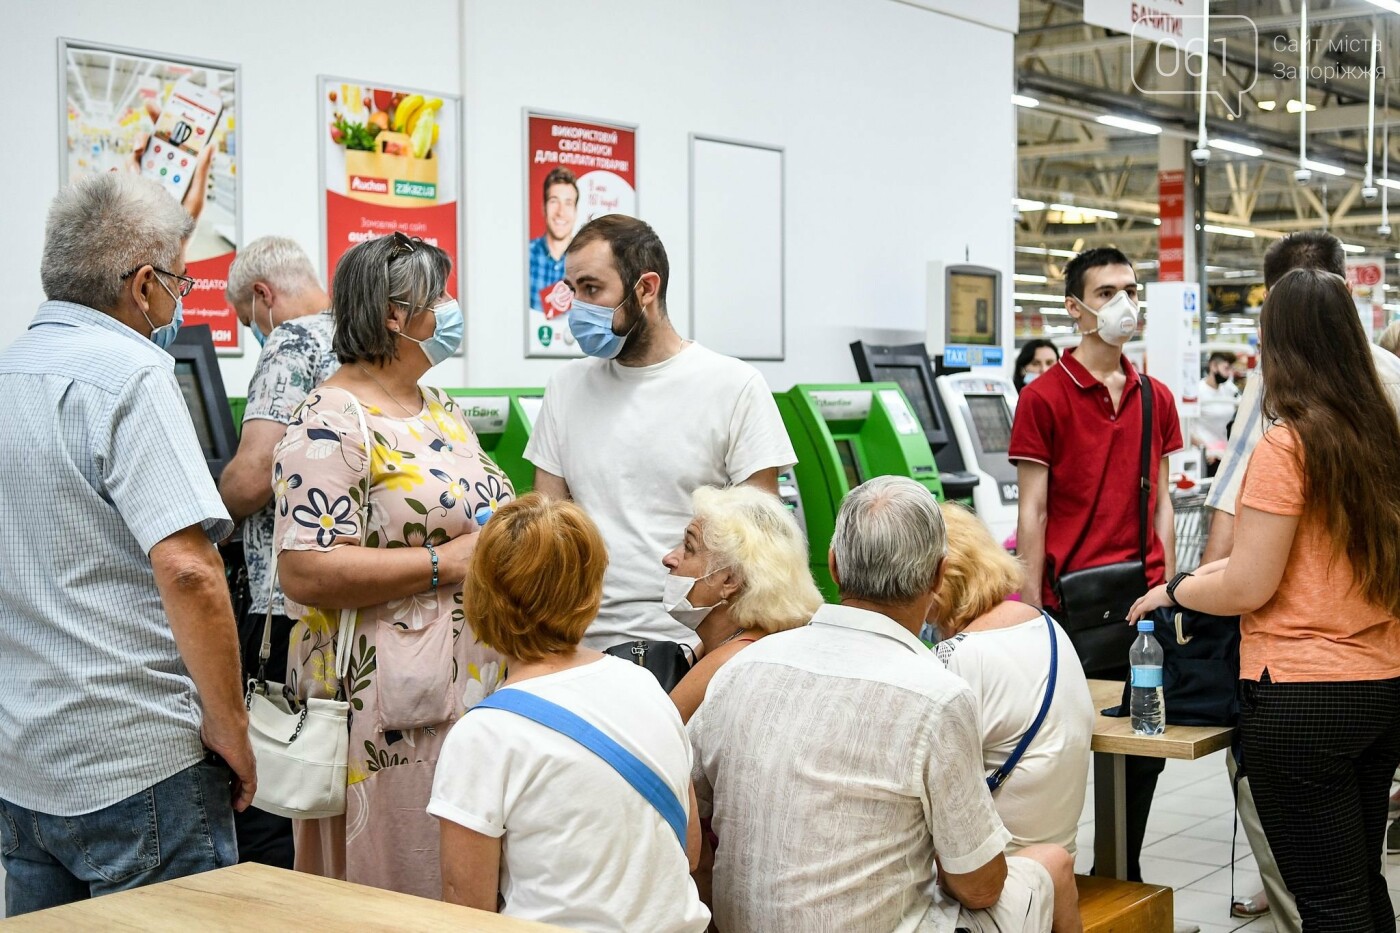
[1110, 906]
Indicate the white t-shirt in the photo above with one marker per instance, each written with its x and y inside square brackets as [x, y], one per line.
[1218, 404]
[633, 442]
[1007, 670]
[581, 848]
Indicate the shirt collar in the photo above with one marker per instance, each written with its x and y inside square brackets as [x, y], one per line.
[72, 314]
[1085, 380]
[863, 620]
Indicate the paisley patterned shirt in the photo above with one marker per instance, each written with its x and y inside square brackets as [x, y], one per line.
[296, 359]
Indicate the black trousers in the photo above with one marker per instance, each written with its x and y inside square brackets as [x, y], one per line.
[264, 837]
[1320, 757]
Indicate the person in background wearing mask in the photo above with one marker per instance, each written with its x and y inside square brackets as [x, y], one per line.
[546, 252]
[1035, 358]
[1219, 400]
[415, 664]
[121, 708]
[275, 292]
[633, 431]
[1078, 430]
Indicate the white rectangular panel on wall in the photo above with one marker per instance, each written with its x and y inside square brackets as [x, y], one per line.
[736, 247]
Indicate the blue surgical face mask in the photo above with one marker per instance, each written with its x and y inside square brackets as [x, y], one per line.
[258, 334]
[591, 326]
[448, 329]
[164, 335]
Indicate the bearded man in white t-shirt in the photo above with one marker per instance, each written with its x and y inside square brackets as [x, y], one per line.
[631, 431]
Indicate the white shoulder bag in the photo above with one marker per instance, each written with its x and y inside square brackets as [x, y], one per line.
[303, 755]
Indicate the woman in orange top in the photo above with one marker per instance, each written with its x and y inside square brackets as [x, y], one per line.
[1314, 577]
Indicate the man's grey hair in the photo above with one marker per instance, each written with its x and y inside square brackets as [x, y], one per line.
[278, 261]
[889, 541]
[103, 226]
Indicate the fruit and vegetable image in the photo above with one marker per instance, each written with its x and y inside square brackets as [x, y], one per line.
[389, 139]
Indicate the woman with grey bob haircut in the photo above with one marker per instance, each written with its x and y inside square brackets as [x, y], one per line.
[371, 435]
[889, 541]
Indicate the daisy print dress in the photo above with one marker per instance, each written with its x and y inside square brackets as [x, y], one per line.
[415, 665]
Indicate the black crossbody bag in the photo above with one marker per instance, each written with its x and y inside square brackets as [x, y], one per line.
[1094, 602]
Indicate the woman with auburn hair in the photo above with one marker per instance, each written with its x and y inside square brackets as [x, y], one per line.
[739, 573]
[1313, 575]
[535, 822]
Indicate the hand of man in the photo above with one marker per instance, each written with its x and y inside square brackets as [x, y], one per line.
[233, 747]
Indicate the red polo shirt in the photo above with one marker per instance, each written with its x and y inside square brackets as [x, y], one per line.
[1065, 420]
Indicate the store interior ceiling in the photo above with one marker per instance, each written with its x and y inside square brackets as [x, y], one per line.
[1082, 183]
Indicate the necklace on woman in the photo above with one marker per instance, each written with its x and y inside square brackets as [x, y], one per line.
[416, 416]
[731, 638]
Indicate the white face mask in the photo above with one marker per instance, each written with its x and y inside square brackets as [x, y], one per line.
[1117, 319]
[675, 599]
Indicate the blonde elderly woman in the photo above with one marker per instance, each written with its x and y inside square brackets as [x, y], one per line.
[739, 573]
[1002, 649]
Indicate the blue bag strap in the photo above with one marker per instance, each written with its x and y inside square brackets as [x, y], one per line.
[553, 716]
[999, 776]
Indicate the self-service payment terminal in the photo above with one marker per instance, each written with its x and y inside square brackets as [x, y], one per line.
[202, 384]
[909, 367]
[983, 408]
[503, 420]
[844, 435]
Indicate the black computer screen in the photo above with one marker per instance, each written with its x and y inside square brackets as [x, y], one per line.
[847, 454]
[991, 417]
[199, 413]
[916, 388]
[201, 383]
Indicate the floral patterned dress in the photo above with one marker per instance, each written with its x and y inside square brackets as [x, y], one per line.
[415, 665]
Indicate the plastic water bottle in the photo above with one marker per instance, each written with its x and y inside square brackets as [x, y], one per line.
[1149, 711]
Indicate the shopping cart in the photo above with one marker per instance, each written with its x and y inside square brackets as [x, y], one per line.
[1192, 526]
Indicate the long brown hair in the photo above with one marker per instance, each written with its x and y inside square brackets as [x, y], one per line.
[1320, 379]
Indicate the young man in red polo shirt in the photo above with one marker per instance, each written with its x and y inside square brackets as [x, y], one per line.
[1077, 444]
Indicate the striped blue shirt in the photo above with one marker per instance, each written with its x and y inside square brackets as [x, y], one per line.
[98, 463]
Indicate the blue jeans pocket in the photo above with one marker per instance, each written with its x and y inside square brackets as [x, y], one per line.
[9, 832]
[121, 840]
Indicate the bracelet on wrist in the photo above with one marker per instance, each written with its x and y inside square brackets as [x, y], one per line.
[432, 552]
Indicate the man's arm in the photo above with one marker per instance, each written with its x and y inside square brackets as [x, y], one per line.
[1164, 519]
[471, 865]
[246, 483]
[190, 577]
[767, 480]
[979, 888]
[549, 485]
[1033, 479]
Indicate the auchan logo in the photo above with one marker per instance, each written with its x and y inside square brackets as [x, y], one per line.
[369, 185]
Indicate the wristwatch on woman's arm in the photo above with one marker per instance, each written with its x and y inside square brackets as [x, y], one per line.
[1171, 588]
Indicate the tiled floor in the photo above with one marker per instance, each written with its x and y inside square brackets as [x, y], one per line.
[1188, 847]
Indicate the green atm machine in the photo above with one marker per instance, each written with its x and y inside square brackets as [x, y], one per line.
[503, 420]
[844, 435]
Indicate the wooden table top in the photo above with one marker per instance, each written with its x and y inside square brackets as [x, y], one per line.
[256, 897]
[1115, 736]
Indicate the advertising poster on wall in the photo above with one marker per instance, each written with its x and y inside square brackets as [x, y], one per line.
[391, 160]
[172, 119]
[1366, 276]
[577, 169]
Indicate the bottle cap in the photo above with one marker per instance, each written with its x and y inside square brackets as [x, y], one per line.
[1145, 625]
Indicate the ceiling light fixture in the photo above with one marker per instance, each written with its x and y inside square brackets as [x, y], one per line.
[1268, 104]
[1296, 107]
[1021, 100]
[1025, 204]
[1029, 278]
[1238, 148]
[1086, 211]
[1137, 126]
[1230, 231]
[1042, 251]
[1324, 167]
[1353, 248]
[1034, 296]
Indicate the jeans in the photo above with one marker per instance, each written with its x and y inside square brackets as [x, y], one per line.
[181, 826]
[264, 837]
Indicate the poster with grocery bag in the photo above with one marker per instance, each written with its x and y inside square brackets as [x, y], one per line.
[172, 119]
[577, 169]
[390, 161]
